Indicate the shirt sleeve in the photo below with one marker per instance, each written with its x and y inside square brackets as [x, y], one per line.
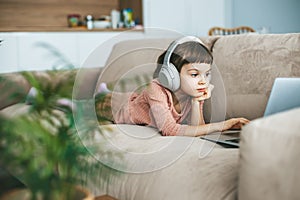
[161, 111]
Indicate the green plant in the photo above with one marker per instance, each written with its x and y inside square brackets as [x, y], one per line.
[42, 148]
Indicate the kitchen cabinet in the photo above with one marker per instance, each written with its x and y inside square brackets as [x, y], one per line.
[89, 42]
[39, 51]
[8, 53]
[45, 50]
[94, 49]
[36, 51]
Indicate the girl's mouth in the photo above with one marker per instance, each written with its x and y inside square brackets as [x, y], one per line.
[201, 90]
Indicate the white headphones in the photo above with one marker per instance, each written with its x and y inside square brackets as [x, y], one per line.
[168, 75]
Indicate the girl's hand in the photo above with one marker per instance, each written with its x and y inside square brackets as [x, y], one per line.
[206, 94]
[234, 123]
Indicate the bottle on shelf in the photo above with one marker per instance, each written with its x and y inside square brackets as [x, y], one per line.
[89, 22]
[115, 18]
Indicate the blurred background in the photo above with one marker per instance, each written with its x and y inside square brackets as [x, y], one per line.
[75, 28]
[34, 32]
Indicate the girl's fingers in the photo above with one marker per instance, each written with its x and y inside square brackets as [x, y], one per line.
[244, 121]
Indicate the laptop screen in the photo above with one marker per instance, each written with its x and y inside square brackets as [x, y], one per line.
[285, 95]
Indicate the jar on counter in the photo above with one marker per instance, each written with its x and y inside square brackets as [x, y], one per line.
[73, 20]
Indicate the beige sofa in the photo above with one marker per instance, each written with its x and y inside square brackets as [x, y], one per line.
[155, 167]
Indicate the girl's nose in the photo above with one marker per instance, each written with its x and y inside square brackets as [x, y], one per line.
[202, 80]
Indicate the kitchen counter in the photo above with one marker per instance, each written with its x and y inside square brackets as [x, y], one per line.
[63, 29]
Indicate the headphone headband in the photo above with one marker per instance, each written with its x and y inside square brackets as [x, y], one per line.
[168, 75]
[176, 43]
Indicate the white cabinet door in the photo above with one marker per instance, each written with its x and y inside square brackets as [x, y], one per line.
[8, 53]
[90, 42]
[94, 48]
[45, 51]
[40, 51]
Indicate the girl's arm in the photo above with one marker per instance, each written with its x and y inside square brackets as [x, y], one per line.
[197, 113]
[197, 107]
[165, 122]
[214, 127]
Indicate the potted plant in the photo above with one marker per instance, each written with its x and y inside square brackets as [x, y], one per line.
[42, 148]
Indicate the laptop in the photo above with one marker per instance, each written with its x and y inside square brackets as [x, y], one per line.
[285, 95]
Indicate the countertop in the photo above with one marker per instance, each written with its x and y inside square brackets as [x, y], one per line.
[63, 29]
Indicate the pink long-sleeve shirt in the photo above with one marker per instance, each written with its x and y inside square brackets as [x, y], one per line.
[155, 107]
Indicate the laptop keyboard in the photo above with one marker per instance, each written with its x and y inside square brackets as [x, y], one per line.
[236, 140]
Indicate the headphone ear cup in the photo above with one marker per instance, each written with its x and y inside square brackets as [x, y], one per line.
[169, 77]
[176, 79]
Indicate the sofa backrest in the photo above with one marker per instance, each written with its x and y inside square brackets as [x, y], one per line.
[136, 59]
[249, 64]
[246, 66]
[133, 59]
[14, 86]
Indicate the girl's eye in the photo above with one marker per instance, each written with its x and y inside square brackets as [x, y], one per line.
[207, 74]
[194, 75]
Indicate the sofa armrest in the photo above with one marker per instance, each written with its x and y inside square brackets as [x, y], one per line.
[269, 158]
[13, 87]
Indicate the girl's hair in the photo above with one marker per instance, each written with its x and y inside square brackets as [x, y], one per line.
[185, 53]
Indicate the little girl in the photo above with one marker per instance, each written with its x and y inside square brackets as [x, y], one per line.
[173, 101]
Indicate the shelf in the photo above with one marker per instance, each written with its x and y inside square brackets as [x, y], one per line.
[51, 15]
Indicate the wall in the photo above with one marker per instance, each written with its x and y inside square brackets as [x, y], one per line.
[203, 14]
[193, 17]
[279, 16]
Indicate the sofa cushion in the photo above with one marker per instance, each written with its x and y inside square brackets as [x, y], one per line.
[269, 157]
[161, 167]
[132, 54]
[250, 63]
[86, 82]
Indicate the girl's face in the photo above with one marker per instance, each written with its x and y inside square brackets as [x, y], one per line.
[195, 78]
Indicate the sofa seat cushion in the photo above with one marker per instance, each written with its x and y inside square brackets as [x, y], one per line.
[269, 157]
[161, 167]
